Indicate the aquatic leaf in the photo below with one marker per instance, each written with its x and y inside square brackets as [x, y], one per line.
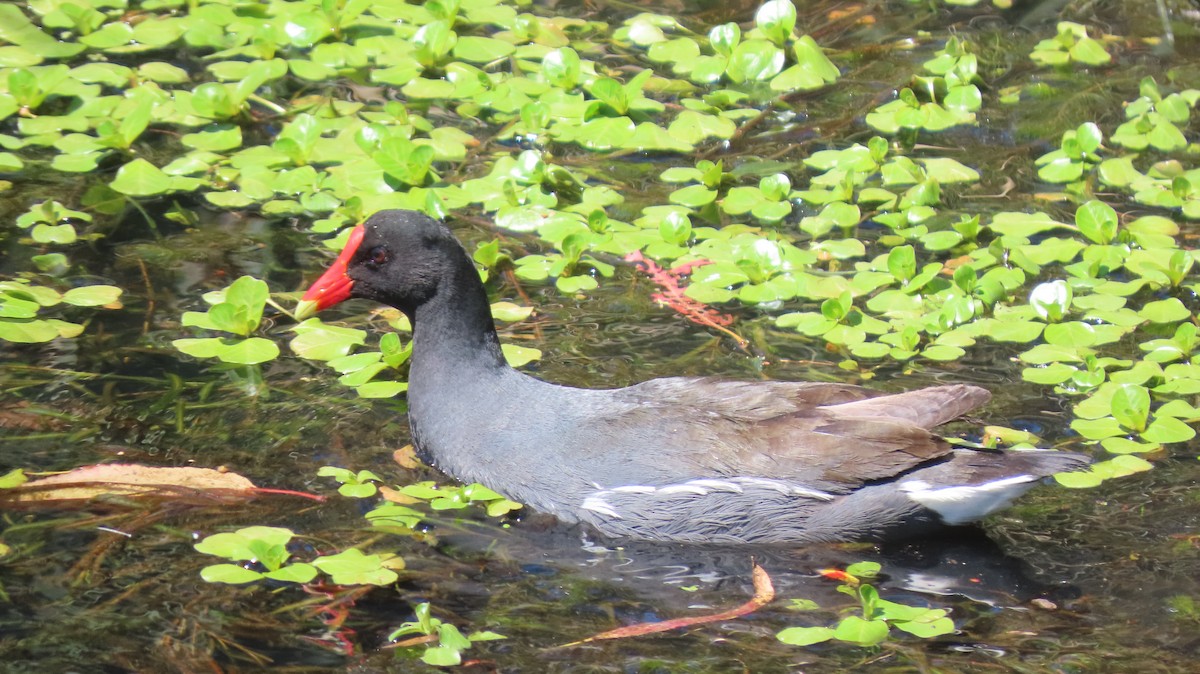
[10, 163]
[1119, 466]
[691, 127]
[1131, 406]
[481, 49]
[724, 37]
[17, 29]
[776, 19]
[1098, 221]
[1127, 446]
[1118, 171]
[442, 656]
[755, 61]
[680, 52]
[236, 545]
[381, 389]
[693, 196]
[1051, 300]
[1177, 409]
[1165, 429]
[946, 170]
[804, 636]
[92, 296]
[509, 312]
[933, 623]
[60, 234]
[231, 574]
[861, 631]
[675, 228]
[140, 178]
[162, 73]
[1072, 334]
[28, 331]
[290, 573]
[1165, 311]
[214, 138]
[902, 263]
[353, 567]
[1089, 51]
[213, 100]
[561, 67]
[1098, 429]
[518, 356]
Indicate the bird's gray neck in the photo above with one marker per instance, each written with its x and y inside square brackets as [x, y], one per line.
[456, 375]
[453, 332]
[470, 413]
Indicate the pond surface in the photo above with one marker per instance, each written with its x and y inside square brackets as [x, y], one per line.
[1090, 580]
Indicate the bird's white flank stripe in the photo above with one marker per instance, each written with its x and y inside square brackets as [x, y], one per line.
[599, 505]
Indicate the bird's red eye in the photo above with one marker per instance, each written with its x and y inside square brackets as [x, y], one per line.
[379, 255]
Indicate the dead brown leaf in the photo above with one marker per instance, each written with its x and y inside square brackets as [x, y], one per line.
[133, 481]
[406, 457]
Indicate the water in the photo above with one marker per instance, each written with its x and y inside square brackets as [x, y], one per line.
[1102, 580]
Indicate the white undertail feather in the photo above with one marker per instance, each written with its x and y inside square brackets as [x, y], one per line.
[967, 503]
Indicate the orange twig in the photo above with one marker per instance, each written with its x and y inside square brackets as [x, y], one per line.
[764, 593]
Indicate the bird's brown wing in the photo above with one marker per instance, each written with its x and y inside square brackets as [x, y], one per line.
[827, 436]
[743, 400]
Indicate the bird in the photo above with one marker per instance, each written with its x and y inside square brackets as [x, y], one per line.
[674, 460]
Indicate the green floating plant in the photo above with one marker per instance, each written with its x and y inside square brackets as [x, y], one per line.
[945, 98]
[354, 567]
[770, 52]
[237, 310]
[567, 268]
[447, 648]
[262, 546]
[316, 340]
[767, 202]
[396, 515]
[443, 497]
[265, 548]
[1119, 466]
[1156, 121]
[1070, 45]
[51, 223]
[22, 304]
[1076, 155]
[353, 485]
[1120, 416]
[876, 618]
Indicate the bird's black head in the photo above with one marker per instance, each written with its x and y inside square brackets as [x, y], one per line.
[399, 258]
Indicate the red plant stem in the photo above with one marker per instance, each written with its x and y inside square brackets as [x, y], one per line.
[288, 492]
[674, 294]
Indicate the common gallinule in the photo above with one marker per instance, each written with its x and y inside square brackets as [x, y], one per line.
[693, 460]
